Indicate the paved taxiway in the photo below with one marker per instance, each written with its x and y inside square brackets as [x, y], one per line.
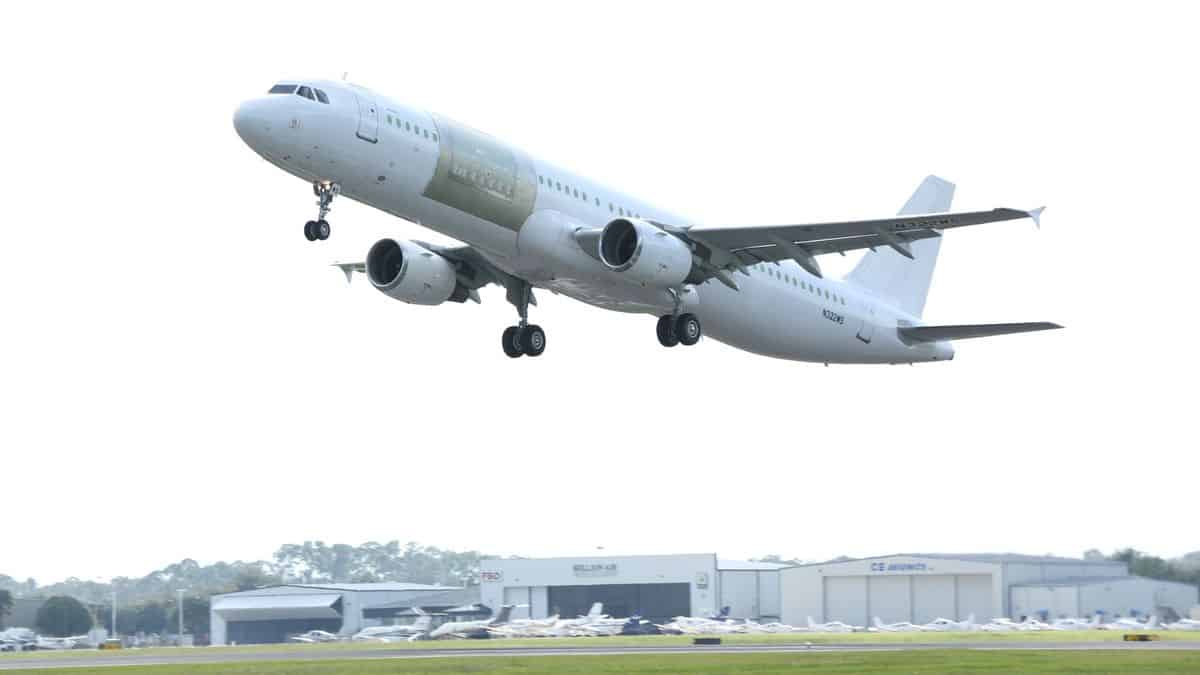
[217, 655]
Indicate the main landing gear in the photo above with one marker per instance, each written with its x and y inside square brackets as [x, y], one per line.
[524, 339]
[675, 330]
[319, 228]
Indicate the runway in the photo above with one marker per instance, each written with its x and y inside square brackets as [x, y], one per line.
[203, 655]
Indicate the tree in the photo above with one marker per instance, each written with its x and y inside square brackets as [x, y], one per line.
[6, 604]
[195, 616]
[63, 615]
[776, 558]
[151, 618]
[250, 579]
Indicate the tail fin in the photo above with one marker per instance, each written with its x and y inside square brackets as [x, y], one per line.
[423, 622]
[894, 277]
[502, 616]
[596, 611]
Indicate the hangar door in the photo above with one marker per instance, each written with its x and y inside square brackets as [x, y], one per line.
[846, 600]
[277, 630]
[655, 602]
[934, 597]
[975, 597]
[890, 598]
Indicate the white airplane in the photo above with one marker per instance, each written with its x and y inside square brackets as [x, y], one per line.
[949, 625]
[472, 629]
[527, 224]
[1183, 624]
[1076, 624]
[314, 636]
[832, 627]
[1130, 623]
[412, 631]
[877, 625]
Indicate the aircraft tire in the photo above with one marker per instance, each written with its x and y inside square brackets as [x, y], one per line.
[321, 229]
[667, 336]
[687, 328]
[511, 342]
[533, 340]
[310, 230]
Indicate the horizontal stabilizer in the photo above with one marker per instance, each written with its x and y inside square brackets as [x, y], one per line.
[938, 333]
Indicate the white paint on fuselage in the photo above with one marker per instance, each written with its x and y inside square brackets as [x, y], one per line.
[771, 315]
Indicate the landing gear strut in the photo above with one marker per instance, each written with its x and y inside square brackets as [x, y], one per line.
[523, 339]
[319, 228]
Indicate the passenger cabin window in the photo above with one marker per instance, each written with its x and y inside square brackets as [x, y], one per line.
[283, 89]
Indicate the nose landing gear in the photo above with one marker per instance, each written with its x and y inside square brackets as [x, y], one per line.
[319, 228]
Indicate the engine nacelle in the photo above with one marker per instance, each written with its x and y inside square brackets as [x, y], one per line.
[411, 273]
[645, 253]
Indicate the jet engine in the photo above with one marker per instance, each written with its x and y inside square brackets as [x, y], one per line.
[411, 273]
[645, 253]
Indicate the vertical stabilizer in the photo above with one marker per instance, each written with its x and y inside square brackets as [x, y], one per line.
[895, 278]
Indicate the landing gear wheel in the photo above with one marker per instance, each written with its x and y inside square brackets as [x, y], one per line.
[310, 230]
[511, 342]
[667, 336]
[533, 340]
[321, 229]
[687, 327]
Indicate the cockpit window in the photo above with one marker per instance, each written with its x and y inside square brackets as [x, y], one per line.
[282, 89]
[306, 92]
[321, 96]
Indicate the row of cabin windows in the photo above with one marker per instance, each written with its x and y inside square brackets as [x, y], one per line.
[301, 90]
[414, 128]
[583, 196]
[774, 271]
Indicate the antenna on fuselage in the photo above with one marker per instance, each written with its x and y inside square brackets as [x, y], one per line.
[344, 75]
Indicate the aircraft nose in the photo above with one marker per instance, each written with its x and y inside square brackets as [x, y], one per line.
[252, 123]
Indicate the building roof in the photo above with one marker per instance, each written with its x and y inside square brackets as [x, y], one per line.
[386, 586]
[451, 598]
[996, 558]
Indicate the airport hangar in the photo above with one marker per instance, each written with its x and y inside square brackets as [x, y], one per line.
[655, 587]
[273, 613]
[922, 587]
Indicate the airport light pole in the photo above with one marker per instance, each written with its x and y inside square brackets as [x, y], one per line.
[114, 613]
[180, 592]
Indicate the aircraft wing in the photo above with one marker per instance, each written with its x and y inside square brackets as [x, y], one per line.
[938, 333]
[733, 247]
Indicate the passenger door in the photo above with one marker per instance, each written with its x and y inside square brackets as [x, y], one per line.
[368, 119]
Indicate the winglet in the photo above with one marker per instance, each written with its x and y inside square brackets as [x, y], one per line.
[1036, 214]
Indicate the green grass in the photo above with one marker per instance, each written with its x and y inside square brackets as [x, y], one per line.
[642, 641]
[924, 661]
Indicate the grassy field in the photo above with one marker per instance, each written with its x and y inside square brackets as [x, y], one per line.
[646, 641]
[931, 661]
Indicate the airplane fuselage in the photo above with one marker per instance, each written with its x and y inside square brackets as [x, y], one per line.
[521, 213]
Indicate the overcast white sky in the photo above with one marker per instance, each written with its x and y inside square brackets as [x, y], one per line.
[182, 375]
